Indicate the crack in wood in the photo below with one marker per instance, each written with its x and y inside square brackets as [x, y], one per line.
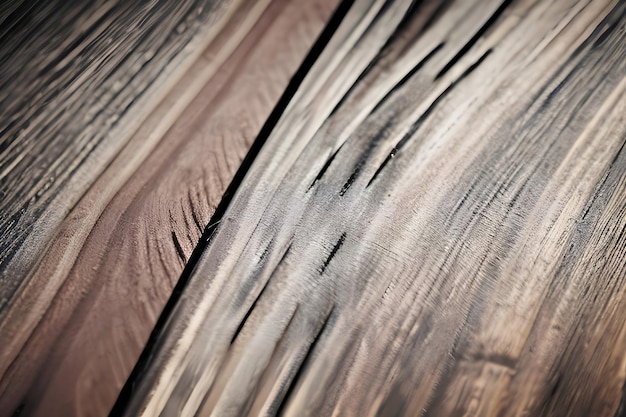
[333, 252]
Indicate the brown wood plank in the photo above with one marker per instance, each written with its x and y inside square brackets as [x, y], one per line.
[436, 226]
[76, 330]
[76, 80]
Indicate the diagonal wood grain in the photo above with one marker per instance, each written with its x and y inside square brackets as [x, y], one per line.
[77, 79]
[436, 226]
[73, 335]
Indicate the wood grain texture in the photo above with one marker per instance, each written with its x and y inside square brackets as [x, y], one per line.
[77, 328]
[77, 79]
[436, 226]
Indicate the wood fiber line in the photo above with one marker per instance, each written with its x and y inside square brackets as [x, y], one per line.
[72, 338]
[435, 226]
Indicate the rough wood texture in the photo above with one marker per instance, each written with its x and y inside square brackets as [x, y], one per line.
[436, 226]
[76, 80]
[71, 338]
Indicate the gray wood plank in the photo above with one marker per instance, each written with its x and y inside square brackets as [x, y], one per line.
[435, 226]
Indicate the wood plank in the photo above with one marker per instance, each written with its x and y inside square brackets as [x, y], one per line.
[76, 330]
[76, 80]
[435, 226]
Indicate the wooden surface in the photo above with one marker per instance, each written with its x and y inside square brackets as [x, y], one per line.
[77, 79]
[436, 226]
[431, 221]
[72, 337]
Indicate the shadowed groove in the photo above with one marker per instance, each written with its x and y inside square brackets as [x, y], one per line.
[418, 123]
[322, 171]
[408, 76]
[333, 252]
[147, 354]
[245, 318]
[468, 45]
[305, 362]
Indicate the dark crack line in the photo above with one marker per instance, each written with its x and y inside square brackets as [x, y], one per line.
[150, 350]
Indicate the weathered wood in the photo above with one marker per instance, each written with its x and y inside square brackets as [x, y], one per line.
[72, 336]
[435, 226]
[76, 80]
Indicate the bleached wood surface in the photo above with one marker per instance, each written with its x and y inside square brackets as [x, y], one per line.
[436, 226]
